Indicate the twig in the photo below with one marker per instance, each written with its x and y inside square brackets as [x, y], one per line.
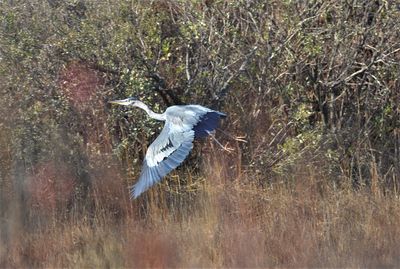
[225, 87]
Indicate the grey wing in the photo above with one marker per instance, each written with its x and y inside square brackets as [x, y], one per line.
[201, 120]
[166, 153]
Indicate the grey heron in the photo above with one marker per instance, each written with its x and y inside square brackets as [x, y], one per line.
[183, 124]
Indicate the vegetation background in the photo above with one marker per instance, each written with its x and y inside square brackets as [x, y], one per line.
[312, 91]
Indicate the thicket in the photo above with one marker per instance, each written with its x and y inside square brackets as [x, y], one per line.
[311, 89]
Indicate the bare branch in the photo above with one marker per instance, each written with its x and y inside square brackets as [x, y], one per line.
[225, 87]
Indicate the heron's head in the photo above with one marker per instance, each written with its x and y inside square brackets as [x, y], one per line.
[131, 101]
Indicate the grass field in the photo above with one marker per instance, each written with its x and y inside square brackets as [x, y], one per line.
[226, 222]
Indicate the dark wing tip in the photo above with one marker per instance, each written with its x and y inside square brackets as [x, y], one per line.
[207, 123]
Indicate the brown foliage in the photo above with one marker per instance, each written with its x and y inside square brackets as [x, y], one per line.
[79, 83]
[236, 224]
[50, 187]
[311, 93]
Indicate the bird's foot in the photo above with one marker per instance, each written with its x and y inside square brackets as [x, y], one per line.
[226, 148]
[236, 138]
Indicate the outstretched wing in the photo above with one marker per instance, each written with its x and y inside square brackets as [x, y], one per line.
[183, 124]
[166, 153]
[207, 123]
[200, 119]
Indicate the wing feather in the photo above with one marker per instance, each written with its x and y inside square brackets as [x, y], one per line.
[183, 124]
[166, 153]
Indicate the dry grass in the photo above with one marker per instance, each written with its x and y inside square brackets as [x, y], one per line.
[231, 223]
[315, 185]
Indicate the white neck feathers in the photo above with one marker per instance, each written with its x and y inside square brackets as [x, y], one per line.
[149, 112]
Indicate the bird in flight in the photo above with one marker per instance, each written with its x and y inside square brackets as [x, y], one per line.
[183, 124]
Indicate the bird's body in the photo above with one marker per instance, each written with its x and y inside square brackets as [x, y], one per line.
[183, 124]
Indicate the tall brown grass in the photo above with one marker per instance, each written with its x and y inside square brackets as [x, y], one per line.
[311, 85]
[225, 222]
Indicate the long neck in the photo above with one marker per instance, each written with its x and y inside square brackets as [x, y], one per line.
[149, 112]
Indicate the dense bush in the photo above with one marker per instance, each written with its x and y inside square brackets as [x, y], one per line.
[312, 84]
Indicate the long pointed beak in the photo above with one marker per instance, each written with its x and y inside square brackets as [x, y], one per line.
[124, 102]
